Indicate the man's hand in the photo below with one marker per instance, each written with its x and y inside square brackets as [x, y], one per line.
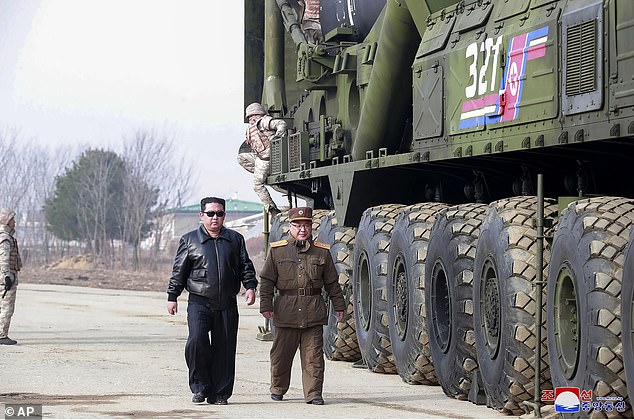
[339, 315]
[249, 297]
[172, 308]
[267, 314]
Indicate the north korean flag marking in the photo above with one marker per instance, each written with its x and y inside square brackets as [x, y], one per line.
[505, 106]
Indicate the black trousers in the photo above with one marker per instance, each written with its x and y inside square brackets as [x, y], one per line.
[211, 363]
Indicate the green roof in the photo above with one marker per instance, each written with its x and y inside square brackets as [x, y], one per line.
[231, 205]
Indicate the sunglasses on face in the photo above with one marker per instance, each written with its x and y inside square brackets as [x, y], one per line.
[214, 213]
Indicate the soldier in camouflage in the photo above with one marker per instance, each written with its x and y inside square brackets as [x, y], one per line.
[254, 152]
[299, 268]
[310, 21]
[10, 264]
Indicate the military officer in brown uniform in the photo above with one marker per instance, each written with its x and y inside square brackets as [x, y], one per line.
[299, 268]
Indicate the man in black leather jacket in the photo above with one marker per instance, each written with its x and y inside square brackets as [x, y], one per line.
[210, 263]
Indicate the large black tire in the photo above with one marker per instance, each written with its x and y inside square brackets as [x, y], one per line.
[369, 277]
[584, 298]
[406, 294]
[279, 227]
[449, 296]
[505, 268]
[340, 338]
[627, 317]
[318, 218]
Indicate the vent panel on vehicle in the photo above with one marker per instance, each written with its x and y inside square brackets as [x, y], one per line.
[294, 152]
[298, 151]
[581, 56]
[276, 156]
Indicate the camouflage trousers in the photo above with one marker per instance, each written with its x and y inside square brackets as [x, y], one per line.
[7, 306]
[260, 170]
[312, 31]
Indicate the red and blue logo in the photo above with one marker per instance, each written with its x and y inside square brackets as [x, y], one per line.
[567, 400]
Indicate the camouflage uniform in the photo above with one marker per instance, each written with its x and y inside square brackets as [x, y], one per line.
[310, 21]
[299, 270]
[254, 152]
[10, 264]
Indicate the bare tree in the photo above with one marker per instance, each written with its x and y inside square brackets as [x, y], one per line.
[101, 185]
[29, 173]
[88, 201]
[155, 184]
[176, 190]
[42, 166]
[13, 169]
[154, 179]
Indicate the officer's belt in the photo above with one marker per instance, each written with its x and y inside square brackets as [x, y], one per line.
[302, 291]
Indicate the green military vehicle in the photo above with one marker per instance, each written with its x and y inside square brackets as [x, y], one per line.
[468, 161]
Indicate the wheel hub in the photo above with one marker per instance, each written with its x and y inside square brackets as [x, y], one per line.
[441, 307]
[566, 322]
[400, 308]
[364, 300]
[490, 300]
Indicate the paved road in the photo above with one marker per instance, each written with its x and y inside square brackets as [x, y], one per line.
[86, 353]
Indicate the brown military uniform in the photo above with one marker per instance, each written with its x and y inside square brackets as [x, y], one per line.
[299, 310]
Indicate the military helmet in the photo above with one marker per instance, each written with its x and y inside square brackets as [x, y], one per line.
[254, 109]
[6, 215]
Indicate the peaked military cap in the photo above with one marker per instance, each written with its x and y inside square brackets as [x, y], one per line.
[300, 213]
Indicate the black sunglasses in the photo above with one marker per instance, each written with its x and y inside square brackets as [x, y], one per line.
[215, 213]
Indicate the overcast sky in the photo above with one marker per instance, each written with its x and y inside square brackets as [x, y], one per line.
[95, 71]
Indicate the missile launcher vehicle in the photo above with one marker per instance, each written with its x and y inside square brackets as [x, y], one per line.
[469, 163]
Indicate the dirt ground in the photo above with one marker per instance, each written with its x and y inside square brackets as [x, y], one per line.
[79, 271]
[96, 277]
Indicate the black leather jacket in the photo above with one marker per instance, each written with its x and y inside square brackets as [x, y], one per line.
[212, 268]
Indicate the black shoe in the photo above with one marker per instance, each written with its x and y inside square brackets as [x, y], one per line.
[316, 401]
[199, 398]
[7, 341]
[277, 397]
[221, 401]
